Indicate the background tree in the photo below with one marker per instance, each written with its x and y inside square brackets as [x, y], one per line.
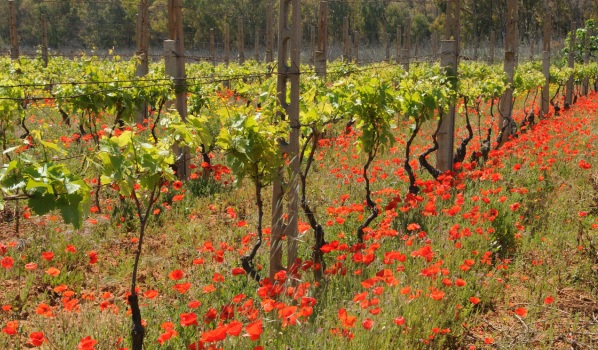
[85, 24]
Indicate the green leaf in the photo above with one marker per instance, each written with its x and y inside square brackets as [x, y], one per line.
[70, 209]
[41, 204]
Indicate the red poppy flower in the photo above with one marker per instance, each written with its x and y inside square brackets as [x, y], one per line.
[93, 257]
[167, 335]
[44, 309]
[86, 343]
[367, 324]
[238, 298]
[194, 304]
[176, 275]
[36, 339]
[52, 271]
[437, 294]
[188, 319]
[7, 262]
[61, 288]
[234, 328]
[218, 334]
[182, 287]
[177, 185]
[151, 294]
[11, 328]
[413, 227]
[208, 289]
[48, 256]
[460, 282]
[399, 321]
[474, 300]
[210, 315]
[238, 271]
[30, 266]
[254, 329]
[521, 311]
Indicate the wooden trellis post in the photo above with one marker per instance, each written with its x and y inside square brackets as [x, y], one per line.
[346, 40]
[14, 36]
[492, 47]
[546, 63]
[312, 45]
[322, 47]
[406, 52]
[399, 46]
[256, 48]
[269, 35]
[434, 46]
[212, 47]
[586, 61]
[175, 66]
[571, 64]
[240, 41]
[142, 50]
[226, 44]
[289, 42]
[448, 60]
[386, 46]
[45, 41]
[511, 43]
[356, 46]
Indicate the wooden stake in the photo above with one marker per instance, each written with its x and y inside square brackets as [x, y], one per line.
[346, 40]
[175, 26]
[386, 46]
[256, 49]
[449, 60]
[212, 47]
[434, 45]
[453, 23]
[269, 35]
[45, 41]
[356, 46]
[406, 52]
[399, 46]
[492, 47]
[14, 36]
[226, 44]
[586, 61]
[322, 49]
[571, 64]
[511, 43]
[289, 42]
[546, 64]
[240, 41]
[312, 45]
[142, 51]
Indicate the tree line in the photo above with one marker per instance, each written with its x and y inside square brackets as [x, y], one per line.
[87, 24]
